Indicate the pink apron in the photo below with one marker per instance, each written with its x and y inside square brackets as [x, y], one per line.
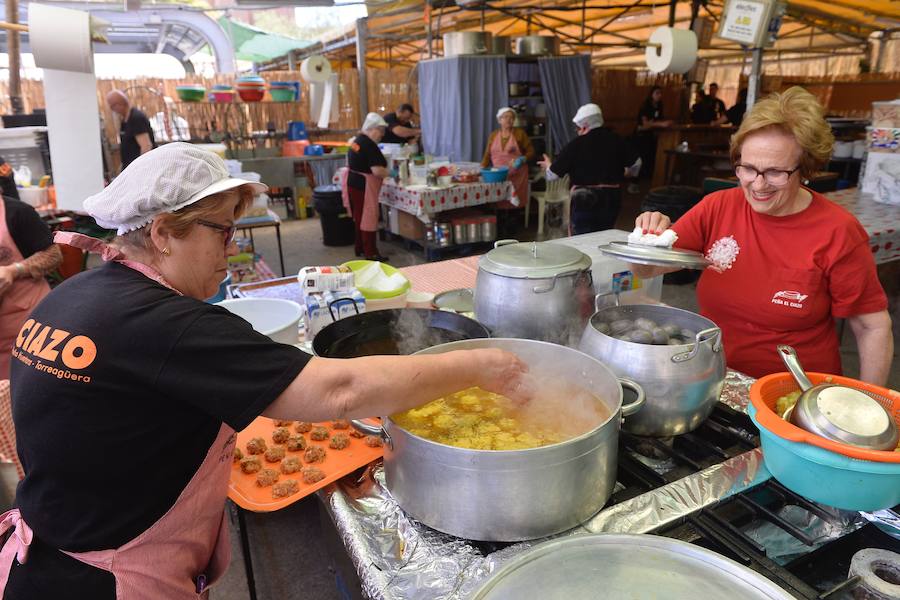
[19, 300]
[503, 157]
[370, 208]
[188, 548]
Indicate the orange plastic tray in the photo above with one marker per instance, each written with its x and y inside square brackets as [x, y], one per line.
[244, 492]
[764, 393]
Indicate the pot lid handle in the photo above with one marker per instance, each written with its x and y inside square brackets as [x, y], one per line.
[505, 242]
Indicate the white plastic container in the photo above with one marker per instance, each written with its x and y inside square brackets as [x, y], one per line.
[276, 318]
[33, 196]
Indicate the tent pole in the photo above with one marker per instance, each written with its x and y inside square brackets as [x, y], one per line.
[362, 34]
[15, 58]
[753, 87]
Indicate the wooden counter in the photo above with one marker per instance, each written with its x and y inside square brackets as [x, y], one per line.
[694, 135]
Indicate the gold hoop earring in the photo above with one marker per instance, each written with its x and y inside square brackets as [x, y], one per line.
[166, 251]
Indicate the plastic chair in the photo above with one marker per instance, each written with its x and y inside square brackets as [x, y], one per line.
[7, 429]
[557, 191]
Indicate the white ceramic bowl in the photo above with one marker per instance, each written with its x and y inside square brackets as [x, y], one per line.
[276, 318]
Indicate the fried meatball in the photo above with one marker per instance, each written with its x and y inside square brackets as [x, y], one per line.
[280, 423]
[281, 435]
[340, 424]
[256, 446]
[303, 427]
[312, 474]
[314, 454]
[275, 453]
[296, 443]
[319, 434]
[250, 464]
[238, 455]
[285, 488]
[373, 441]
[267, 477]
[339, 441]
[290, 465]
[357, 433]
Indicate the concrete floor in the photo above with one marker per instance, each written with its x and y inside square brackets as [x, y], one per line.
[288, 550]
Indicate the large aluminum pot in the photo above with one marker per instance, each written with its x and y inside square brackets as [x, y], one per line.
[511, 495]
[457, 43]
[534, 290]
[537, 45]
[501, 44]
[682, 382]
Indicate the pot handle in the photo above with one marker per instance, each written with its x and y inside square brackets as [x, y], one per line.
[505, 242]
[702, 336]
[603, 295]
[792, 362]
[632, 407]
[542, 289]
[368, 429]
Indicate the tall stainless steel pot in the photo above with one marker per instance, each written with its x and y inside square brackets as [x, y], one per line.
[458, 43]
[511, 495]
[537, 45]
[682, 382]
[534, 290]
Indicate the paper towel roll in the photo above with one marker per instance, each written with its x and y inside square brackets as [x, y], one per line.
[315, 69]
[60, 38]
[677, 52]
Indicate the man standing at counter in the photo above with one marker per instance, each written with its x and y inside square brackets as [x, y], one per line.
[596, 162]
[399, 126]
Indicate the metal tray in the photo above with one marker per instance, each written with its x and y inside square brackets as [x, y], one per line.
[620, 566]
[655, 255]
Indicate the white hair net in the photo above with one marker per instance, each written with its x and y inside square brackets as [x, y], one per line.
[373, 120]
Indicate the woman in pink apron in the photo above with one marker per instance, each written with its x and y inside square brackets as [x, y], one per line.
[127, 390]
[27, 254]
[361, 184]
[510, 147]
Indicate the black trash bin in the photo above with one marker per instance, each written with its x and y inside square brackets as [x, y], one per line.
[337, 224]
[673, 201]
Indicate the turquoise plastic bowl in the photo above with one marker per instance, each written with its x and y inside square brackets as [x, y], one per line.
[827, 477]
[495, 175]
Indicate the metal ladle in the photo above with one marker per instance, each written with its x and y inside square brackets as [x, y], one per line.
[838, 412]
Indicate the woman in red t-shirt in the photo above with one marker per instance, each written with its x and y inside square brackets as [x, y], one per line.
[787, 260]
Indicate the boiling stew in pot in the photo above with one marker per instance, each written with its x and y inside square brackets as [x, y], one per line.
[481, 420]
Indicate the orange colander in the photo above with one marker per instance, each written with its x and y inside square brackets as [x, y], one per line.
[764, 393]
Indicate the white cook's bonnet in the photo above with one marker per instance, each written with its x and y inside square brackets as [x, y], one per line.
[373, 120]
[505, 109]
[162, 181]
[589, 115]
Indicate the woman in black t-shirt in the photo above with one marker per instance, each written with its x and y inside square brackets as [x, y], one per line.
[127, 389]
[367, 169]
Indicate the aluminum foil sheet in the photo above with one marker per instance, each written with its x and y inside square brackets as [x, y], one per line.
[398, 557]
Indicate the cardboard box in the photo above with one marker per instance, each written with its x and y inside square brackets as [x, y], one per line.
[886, 114]
[409, 226]
[315, 280]
[883, 139]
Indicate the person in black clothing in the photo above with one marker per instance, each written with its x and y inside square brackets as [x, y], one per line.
[702, 112]
[718, 107]
[7, 181]
[735, 114]
[399, 126]
[650, 117]
[367, 168]
[596, 162]
[135, 134]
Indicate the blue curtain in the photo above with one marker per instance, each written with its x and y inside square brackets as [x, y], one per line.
[459, 97]
[566, 81]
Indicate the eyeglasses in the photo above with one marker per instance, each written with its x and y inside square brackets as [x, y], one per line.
[229, 231]
[774, 177]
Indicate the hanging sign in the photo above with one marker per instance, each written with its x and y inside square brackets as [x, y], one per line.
[743, 21]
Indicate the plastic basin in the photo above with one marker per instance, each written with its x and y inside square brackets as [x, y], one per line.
[282, 94]
[191, 94]
[494, 175]
[276, 318]
[222, 96]
[251, 95]
[371, 294]
[828, 477]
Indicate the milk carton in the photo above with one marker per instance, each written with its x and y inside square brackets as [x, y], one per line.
[324, 308]
[316, 280]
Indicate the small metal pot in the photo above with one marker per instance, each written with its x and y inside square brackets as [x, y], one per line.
[518, 89]
[459, 43]
[473, 231]
[501, 44]
[682, 382]
[536, 290]
[460, 235]
[537, 45]
[512, 495]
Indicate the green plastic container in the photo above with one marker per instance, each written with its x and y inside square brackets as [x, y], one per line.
[191, 94]
[281, 95]
[368, 293]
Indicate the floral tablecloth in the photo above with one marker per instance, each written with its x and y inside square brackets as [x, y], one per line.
[881, 222]
[423, 201]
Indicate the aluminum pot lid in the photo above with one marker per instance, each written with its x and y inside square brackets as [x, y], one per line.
[637, 567]
[655, 255]
[533, 260]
